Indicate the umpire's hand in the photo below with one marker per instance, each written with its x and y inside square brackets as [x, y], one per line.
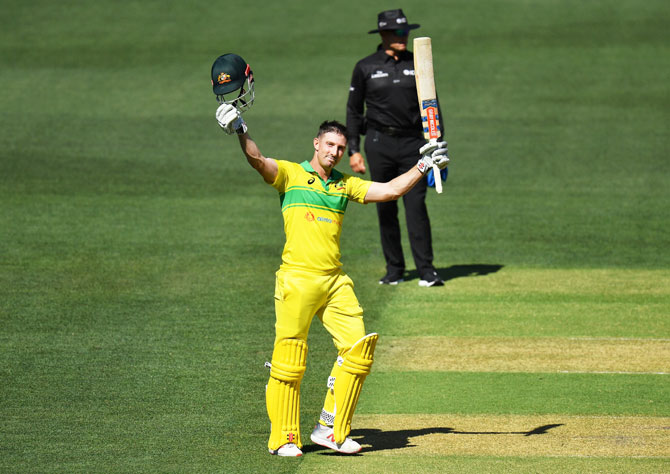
[357, 163]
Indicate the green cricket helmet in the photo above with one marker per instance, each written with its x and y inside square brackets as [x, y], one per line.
[230, 74]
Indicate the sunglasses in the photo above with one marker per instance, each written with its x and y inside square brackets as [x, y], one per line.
[401, 32]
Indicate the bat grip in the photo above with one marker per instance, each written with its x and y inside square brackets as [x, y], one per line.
[436, 173]
[438, 179]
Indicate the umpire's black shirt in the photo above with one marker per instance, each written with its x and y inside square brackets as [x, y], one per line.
[387, 89]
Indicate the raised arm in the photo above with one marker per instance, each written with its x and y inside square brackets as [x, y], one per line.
[267, 167]
[231, 121]
[394, 189]
[432, 153]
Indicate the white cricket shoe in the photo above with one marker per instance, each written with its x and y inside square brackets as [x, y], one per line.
[323, 436]
[288, 450]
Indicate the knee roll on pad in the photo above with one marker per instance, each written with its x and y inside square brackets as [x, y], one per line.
[282, 395]
[348, 383]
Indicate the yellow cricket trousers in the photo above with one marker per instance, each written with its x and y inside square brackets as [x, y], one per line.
[300, 295]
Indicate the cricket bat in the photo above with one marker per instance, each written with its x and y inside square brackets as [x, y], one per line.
[425, 89]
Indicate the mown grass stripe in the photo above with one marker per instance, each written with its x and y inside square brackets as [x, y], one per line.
[514, 435]
[530, 302]
[472, 393]
[476, 464]
[509, 354]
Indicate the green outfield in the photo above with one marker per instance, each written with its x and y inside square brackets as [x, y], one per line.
[138, 249]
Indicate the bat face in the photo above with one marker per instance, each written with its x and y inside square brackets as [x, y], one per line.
[425, 87]
[425, 90]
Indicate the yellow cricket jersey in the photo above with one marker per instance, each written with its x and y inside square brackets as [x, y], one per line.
[313, 211]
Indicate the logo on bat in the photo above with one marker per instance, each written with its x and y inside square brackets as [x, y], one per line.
[430, 118]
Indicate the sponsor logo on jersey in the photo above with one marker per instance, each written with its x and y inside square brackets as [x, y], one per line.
[311, 180]
[324, 219]
[379, 74]
[310, 217]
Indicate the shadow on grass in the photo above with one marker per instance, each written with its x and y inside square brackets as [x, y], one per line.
[382, 440]
[459, 271]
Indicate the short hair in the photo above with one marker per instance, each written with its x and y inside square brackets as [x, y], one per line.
[332, 126]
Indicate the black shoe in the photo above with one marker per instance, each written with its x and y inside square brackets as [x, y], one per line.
[431, 280]
[391, 279]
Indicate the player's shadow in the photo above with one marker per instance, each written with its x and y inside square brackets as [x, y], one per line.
[459, 271]
[379, 440]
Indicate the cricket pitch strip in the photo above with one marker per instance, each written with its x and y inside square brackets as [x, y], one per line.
[507, 354]
[513, 435]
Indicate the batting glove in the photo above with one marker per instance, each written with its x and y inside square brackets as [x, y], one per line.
[433, 153]
[230, 119]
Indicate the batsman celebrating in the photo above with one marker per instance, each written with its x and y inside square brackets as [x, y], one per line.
[310, 281]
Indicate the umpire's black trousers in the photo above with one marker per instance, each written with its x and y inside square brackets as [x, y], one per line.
[390, 156]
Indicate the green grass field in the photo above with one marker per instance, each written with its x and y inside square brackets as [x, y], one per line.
[138, 249]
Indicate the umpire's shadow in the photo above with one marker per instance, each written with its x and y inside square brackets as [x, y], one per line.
[459, 271]
[380, 440]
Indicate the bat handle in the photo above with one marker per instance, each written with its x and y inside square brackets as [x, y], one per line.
[436, 173]
[438, 179]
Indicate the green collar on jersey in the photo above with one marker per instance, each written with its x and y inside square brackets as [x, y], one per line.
[334, 174]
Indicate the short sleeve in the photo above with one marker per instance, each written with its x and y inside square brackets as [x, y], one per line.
[281, 180]
[357, 188]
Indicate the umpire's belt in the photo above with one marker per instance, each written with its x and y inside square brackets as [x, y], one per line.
[398, 132]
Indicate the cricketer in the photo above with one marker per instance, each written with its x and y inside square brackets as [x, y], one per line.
[310, 280]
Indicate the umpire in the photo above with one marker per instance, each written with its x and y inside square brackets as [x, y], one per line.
[383, 106]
